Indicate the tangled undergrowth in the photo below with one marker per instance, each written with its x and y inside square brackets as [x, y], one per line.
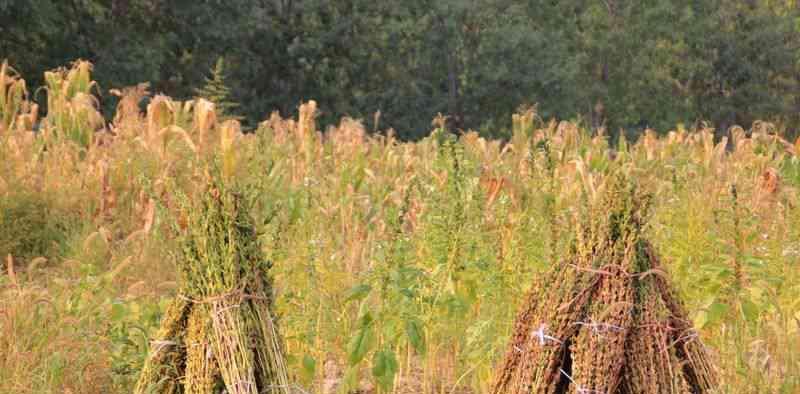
[398, 267]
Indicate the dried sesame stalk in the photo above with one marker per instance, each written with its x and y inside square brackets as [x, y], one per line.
[231, 337]
[202, 372]
[164, 365]
[605, 321]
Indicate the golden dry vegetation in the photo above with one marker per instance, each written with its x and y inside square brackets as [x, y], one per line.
[397, 266]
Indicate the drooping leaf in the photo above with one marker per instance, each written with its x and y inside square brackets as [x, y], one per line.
[384, 368]
[358, 292]
[360, 345]
[416, 336]
[309, 366]
[750, 310]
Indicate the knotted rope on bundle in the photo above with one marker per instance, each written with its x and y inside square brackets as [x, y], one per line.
[605, 319]
[219, 334]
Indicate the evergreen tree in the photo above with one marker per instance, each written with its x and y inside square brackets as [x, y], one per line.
[216, 91]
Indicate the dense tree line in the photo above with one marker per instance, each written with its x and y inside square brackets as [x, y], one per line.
[619, 63]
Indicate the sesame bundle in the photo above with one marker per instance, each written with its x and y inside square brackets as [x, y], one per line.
[219, 334]
[605, 320]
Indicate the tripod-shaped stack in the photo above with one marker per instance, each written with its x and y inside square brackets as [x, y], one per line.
[219, 334]
[605, 320]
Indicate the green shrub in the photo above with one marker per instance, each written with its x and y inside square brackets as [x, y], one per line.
[30, 226]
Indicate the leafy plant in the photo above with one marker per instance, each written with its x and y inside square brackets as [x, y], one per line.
[32, 226]
[216, 91]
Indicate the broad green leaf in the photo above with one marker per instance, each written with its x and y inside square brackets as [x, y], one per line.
[309, 366]
[749, 310]
[384, 367]
[365, 319]
[716, 312]
[415, 336]
[117, 312]
[360, 345]
[358, 292]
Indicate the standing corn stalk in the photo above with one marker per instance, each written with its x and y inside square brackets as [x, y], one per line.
[220, 333]
[605, 320]
[16, 112]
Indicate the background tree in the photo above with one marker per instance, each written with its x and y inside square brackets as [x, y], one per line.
[216, 90]
[621, 64]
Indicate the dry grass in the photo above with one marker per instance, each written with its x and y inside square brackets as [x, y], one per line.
[394, 262]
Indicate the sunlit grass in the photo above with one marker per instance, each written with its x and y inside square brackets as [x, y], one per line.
[398, 267]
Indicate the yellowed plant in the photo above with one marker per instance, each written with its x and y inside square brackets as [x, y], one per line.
[72, 109]
[15, 110]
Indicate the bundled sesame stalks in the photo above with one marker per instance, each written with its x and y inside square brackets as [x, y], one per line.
[220, 334]
[604, 321]
[165, 363]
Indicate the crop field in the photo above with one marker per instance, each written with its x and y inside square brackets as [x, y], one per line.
[395, 267]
